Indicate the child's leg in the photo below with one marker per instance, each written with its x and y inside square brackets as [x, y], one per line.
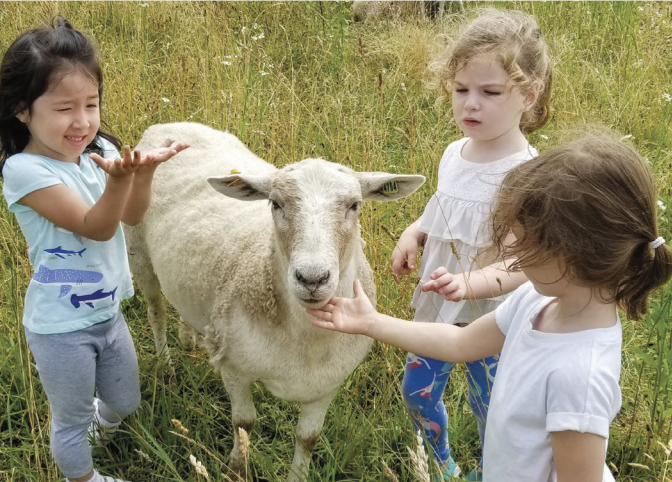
[424, 382]
[481, 375]
[117, 379]
[67, 367]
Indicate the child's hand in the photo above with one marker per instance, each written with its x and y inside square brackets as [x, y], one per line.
[119, 168]
[452, 286]
[161, 154]
[404, 255]
[347, 315]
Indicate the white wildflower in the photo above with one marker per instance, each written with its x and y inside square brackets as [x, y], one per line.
[640, 9]
[639, 63]
[660, 15]
[667, 97]
[225, 62]
[143, 4]
[626, 137]
[403, 87]
[165, 100]
[242, 30]
[543, 137]
[255, 24]
[661, 205]
[263, 73]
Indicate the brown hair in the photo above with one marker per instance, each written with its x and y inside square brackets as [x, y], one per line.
[591, 204]
[513, 39]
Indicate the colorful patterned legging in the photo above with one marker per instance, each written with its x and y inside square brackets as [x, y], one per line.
[425, 380]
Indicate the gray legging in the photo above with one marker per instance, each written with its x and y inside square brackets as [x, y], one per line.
[71, 365]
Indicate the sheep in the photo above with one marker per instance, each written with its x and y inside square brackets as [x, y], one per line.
[241, 249]
[368, 11]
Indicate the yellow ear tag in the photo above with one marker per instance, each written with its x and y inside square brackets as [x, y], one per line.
[391, 187]
[235, 182]
[235, 171]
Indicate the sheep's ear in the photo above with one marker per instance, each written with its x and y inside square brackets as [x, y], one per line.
[245, 187]
[381, 186]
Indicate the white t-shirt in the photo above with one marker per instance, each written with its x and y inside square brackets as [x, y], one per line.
[547, 382]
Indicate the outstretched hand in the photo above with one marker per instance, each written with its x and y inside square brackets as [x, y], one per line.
[453, 287]
[346, 315]
[134, 161]
[119, 167]
[161, 154]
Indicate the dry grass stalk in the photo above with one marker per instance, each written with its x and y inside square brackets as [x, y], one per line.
[200, 468]
[419, 460]
[244, 445]
[199, 445]
[389, 473]
[180, 427]
[244, 441]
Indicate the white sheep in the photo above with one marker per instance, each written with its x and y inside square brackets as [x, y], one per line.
[242, 267]
[376, 10]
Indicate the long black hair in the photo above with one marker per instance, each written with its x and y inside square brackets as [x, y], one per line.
[35, 60]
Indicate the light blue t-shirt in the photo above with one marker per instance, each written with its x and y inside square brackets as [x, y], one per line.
[76, 281]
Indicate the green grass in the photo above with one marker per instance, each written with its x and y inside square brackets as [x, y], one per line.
[318, 85]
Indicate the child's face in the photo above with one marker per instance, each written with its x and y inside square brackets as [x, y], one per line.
[485, 105]
[65, 119]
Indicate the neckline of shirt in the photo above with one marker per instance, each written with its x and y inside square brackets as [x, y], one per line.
[514, 156]
[608, 334]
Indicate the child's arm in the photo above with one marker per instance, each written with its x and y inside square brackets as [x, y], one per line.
[65, 208]
[406, 251]
[578, 456]
[440, 341]
[491, 281]
[141, 187]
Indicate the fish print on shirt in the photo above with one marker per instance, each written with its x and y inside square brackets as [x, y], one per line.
[66, 278]
[62, 253]
[76, 300]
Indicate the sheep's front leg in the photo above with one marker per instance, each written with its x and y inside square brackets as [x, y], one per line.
[243, 414]
[187, 335]
[307, 433]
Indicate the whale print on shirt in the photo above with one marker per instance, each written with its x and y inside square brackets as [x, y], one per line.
[76, 300]
[66, 278]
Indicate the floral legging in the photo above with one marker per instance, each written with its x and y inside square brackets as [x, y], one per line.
[424, 382]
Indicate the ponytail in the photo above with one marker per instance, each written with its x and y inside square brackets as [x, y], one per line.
[652, 269]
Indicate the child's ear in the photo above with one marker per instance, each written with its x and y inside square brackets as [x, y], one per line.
[531, 96]
[23, 116]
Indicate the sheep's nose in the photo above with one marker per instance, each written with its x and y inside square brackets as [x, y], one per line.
[312, 280]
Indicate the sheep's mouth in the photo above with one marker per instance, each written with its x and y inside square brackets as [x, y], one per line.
[313, 303]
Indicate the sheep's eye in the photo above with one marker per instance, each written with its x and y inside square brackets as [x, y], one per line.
[354, 207]
[275, 205]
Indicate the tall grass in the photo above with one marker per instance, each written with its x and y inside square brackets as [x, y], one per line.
[296, 80]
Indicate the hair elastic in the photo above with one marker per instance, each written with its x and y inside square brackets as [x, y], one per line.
[659, 241]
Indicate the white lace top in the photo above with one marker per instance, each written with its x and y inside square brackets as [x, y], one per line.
[465, 195]
[458, 212]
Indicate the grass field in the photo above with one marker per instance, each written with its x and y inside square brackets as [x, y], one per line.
[300, 79]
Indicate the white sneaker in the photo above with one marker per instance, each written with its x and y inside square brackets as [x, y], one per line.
[101, 431]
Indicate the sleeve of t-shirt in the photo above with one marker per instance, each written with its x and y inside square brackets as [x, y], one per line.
[23, 174]
[585, 400]
[506, 312]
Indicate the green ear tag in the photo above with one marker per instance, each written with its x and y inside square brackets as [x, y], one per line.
[391, 187]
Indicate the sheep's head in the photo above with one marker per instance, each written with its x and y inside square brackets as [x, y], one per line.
[315, 204]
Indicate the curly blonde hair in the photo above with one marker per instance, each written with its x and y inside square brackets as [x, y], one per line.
[514, 40]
